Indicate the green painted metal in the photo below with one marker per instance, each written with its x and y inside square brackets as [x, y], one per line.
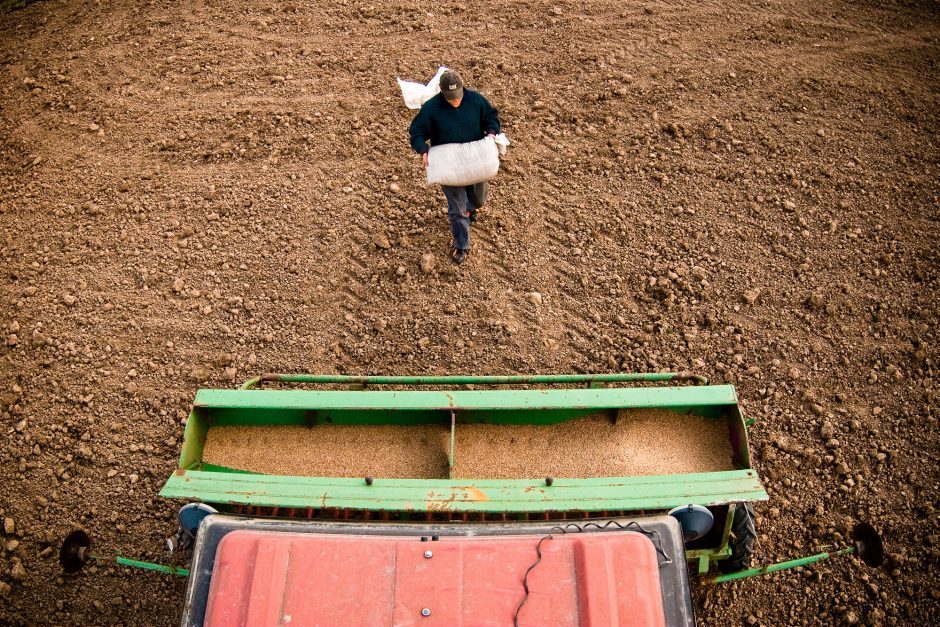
[704, 561]
[491, 496]
[466, 400]
[711, 555]
[214, 468]
[629, 377]
[194, 438]
[357, 405]
[737, 430]
[705, 557]
[539, 406]
[772, 568]
[725, 543]
[161, 568]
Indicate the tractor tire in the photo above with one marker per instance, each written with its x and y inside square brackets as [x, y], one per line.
[743, 537]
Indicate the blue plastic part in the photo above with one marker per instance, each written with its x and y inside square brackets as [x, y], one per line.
[695, 520]
[191, 515]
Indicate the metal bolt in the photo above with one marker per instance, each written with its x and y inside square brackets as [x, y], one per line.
[425, 612]
[368, 480]
[549, 480]
[428, 554]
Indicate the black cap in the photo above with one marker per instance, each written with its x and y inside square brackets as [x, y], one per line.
[451, 85]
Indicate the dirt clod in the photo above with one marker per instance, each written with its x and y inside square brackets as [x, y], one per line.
[428, 261]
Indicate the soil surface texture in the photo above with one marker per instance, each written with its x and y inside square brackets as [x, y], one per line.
[192, 193]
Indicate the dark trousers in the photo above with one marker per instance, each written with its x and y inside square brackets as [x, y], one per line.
[461, 202]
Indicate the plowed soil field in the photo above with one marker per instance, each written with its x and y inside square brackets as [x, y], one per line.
[192, 193]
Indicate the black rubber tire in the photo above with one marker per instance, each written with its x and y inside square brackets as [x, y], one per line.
[743, 538]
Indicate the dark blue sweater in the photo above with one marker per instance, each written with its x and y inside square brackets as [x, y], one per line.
[439, 123]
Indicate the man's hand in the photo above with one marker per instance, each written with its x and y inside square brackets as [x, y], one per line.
[424, 159]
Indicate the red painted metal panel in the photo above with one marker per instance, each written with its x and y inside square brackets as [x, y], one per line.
[590, 579]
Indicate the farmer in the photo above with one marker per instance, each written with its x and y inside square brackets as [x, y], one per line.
[455, 116]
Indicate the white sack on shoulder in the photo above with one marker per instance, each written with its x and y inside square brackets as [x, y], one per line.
[463, 164]
[416, 94]
[502, 142]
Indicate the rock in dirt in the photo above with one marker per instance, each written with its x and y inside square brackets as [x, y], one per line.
[815, 301]
[427, 263]
[9, 526]
[381, 241]
[5, 589]
[69, 300]
[751, 296]
[534, 297]
[18, 572]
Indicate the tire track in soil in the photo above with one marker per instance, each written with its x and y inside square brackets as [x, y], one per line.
[339, 280]
[516, 270]
[343, 271]
[354, 291]
[561, 342]
[578, 326]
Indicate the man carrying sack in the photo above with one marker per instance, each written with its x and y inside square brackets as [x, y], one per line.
[456, 116]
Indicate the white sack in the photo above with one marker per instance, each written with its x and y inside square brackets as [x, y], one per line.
[502, 142]
[416, 94]
[463, 164]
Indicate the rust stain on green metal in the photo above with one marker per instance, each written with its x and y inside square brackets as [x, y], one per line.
[437, 506]
[476, 494]
[534, 488]
[458, 494]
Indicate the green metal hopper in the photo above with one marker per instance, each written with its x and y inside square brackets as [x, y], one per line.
[446, 401]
